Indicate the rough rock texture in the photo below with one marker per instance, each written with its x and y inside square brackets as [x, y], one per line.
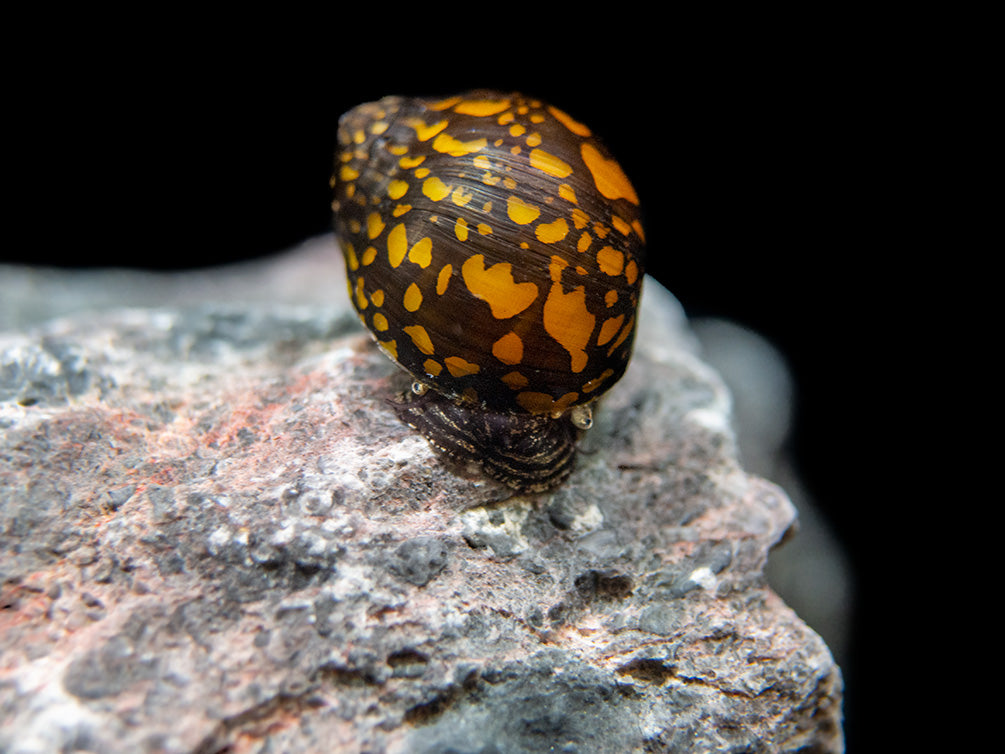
[812, 572]
[215, 536]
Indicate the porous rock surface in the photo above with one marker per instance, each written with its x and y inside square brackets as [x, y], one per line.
[216, 536]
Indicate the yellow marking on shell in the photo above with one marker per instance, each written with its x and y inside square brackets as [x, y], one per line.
[580, 219]
[566, 192]
[377, 297]
[421, 173]
[490, 180]
[517, 130]
[542, 403]
[534, 139]
[611, 298]
[347, 173]
[420, 337]
[408, 163]
[609, 329]
[361, 302]
[508, 349]
[378, 127]
[631, 272]
[482, 162]
[625, 332]
[374, 225]
[638, 229]
[509, 183]
[379, 322]
[432, 367]
[354, 226]
[413, 299]
[350, 257]
[549, 164]
[397, 245]
[620, 225]
[461, 229]
[515, 380]
[515, 150]
[435, 189]
[443, 279]
[401, 209]
[608, 176]
[496, 286]
[589, 387]
[520, 211]
[455, 147]
[359, 136]
[584, 242]
[552, 232]
[487, 207]
[368, 255]
[610, 260]
[580, 129]
[422, 252]
[424, 131]
[484, 229]
[601, 230]
[444, 104]
[505, 118]
[397, 189]
[569, 322]
[396, 149]
[580, 270]
[458, 367]
[482, 107]
[555, 268]
[390, 347]
[460, 197]
[537, 118]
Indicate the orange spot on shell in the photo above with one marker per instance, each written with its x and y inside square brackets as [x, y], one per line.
[508, 349]
[569, 322]
[552, 232]
[596, 382]
[608, 176]
[542, 403]
[515, 380]
[549, 164]
[520, 211]
[459, 367]
[420, 338]
[580, 129]
[610, 260]
[496, 286]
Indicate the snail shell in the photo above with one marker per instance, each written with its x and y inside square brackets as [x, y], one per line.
[494, 249]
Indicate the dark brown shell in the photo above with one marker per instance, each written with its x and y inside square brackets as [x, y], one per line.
[493, 247]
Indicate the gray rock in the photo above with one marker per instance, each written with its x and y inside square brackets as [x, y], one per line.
[215, 533]
[811, 572]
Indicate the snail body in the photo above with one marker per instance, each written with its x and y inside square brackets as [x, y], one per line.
[494, 250]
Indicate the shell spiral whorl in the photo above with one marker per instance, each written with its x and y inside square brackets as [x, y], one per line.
[494, 249]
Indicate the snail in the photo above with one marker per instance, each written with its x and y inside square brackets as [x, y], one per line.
[494, 249]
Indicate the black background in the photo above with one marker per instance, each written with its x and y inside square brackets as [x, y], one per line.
[768, 167]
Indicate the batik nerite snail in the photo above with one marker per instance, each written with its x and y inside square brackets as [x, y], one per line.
[494, 249]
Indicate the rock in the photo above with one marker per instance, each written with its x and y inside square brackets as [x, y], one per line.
[216, 536]
[811, 572]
